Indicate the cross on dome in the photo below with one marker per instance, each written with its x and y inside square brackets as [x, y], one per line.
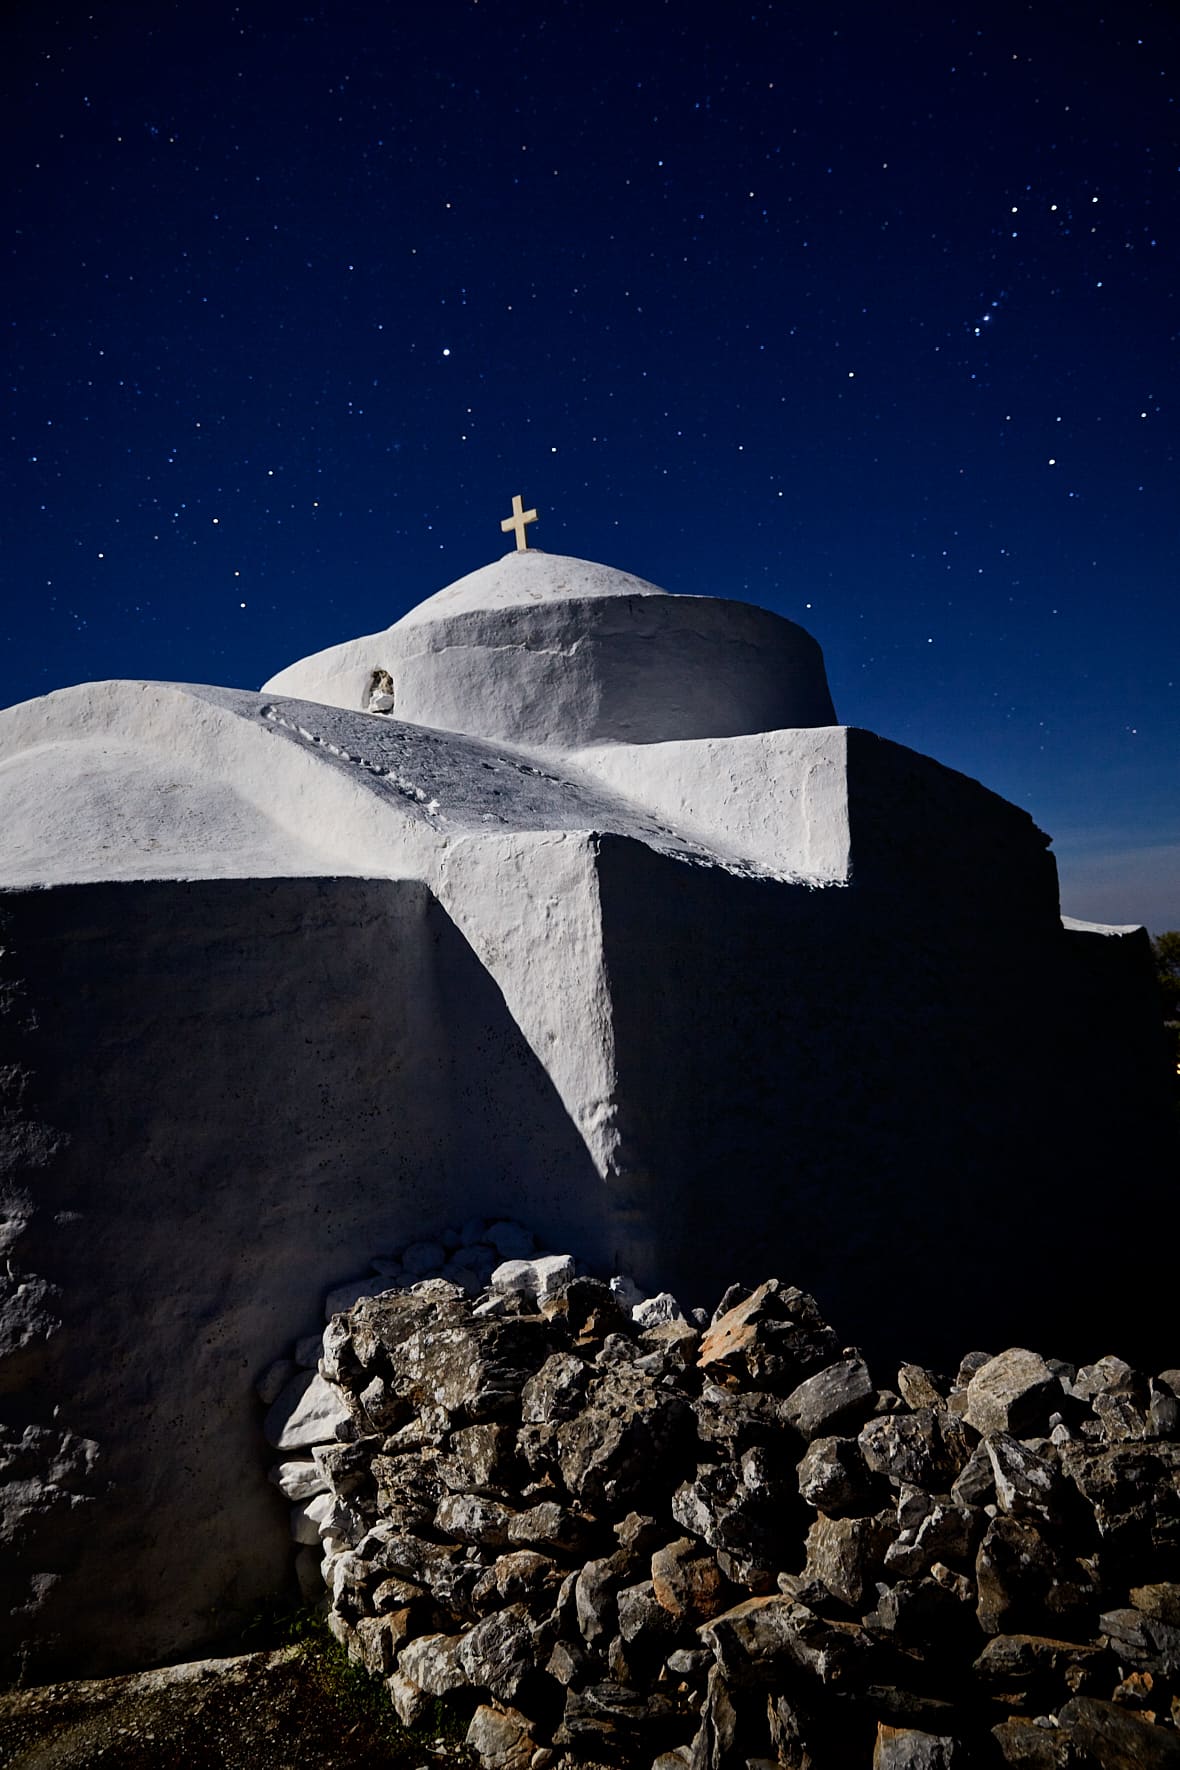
[517, 521]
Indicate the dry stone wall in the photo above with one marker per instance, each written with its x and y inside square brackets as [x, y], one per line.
[609, 1531]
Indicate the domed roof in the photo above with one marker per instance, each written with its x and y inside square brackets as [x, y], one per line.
[524, 579]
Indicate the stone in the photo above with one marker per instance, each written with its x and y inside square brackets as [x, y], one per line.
[1118, 1740]
[918, 1387]
[555, 1392]
[468, 1518]
[975, 1484]
[299, 1479]
[624, 1443]
[1160, 1601]
[409, 1702]
[921, 1611]
[926, 1449]
[833, 1477]
[905, 1748]
[1014, 1393]
[432, 1664]
[847, 1555]
[643, 1620]
[534, 1280]
[832, 1398]
[716, 1737]
[521, 1576]
[479, 1459]
[743, 1512]
[1142, 1642]
[1023, 1662]
[1025, 1484]
[595, 1595]
[498, 1653]
[1032, 1745]
[611, 1718]
[549, 1526]
[501, 1738]
[307, 1516]
[654, 1311]
[1024, 1582]
[308, 1411]
[766, 1639]
[346, 1468]
[687, 1581]
[931, 1531]
[772, 1339]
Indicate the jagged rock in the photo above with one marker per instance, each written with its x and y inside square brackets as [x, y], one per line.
[592, 1313]
[1027, 1485]
[645, 1626]
[771, 1339]
[730, 1421]
[499, 1653]
[837, 1396]
[308, 1411]
[536, 1280]
[741, 1512]
[1015, 1392]
[307, 1517]
[612, 1719]
[833, 1477]
[639, 1533]
[669, 1346]
[441, 1568]
[300, 1479]
[501, 1738]
[408, 1490]
[926, 1449]
[520, 1577]
[556, 1392]
[687, 1581]
[431, 1663]
[1023, 1662]
[1034, 1745]
[847, 1554]
[384, 1410]
[691, 1663]
[1118, 1740]
[716, 1737]
[479, 1459]
[919, 1387]
[1024, 1581]
[766, 1638]
[904, 1748]
[569, 1663]
[438, 1352]
[469, 1518]
[595, 1595]
[346, 1468]
[975, 1484]
[392, 1594]
[550, 1526]
[1145, 1643]
[1119, 1484]
[409, 1702]
[922, 1610]
[652, 1311]
[1160, 1602]
[625, 1442]
[930, 1531]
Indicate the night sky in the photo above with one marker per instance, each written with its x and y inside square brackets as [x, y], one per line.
[867, 313]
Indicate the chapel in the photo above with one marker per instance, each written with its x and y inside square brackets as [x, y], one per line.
[563, 898]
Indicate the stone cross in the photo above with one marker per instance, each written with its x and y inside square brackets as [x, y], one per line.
[517, 521]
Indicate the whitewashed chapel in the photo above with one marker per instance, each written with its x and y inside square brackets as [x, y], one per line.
[563, 898]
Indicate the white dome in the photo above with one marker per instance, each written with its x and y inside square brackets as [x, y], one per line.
[539, 649]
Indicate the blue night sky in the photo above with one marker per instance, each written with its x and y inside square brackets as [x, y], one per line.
[865, 313]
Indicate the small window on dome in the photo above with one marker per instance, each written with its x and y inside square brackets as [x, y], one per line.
[380, 696]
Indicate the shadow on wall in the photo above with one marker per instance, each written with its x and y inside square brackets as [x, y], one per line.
[927, 1114]
[221, 1098]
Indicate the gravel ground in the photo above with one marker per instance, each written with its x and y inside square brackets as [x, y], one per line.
[296, 1708]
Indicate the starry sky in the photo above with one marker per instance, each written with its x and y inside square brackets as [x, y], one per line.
[864, 313]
